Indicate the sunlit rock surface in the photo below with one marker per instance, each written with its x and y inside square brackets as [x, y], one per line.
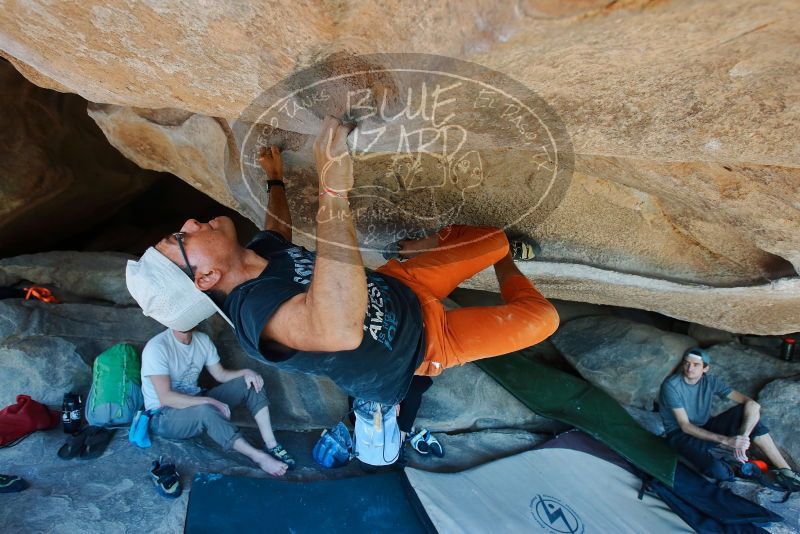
[681, 119]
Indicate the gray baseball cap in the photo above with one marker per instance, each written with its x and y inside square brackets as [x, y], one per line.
[697, 353]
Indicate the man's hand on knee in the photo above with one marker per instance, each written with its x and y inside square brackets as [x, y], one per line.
[253, 379]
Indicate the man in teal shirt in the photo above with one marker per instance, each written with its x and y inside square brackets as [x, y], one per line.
[685, 404]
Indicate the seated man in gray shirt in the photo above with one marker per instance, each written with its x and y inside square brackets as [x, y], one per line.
[685, 407]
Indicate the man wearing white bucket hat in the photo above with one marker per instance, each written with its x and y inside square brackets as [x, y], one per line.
[322, 313]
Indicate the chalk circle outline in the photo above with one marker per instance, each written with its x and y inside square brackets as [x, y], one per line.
[563, 164]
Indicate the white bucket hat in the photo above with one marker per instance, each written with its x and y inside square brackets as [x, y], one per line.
[373, 445]
[167, 294]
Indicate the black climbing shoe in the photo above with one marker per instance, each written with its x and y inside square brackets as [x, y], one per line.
[788, 479]
[524, 248]
[12, 484]
[280, 454]
[166, 479]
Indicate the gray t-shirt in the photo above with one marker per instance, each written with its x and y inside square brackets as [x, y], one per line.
[694, 398]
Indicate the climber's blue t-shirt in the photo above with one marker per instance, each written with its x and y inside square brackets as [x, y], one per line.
[380, 369]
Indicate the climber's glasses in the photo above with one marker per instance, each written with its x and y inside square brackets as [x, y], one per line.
[180, 237]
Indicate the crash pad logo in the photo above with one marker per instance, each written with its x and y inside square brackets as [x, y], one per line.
[437, 141]
[555, 516]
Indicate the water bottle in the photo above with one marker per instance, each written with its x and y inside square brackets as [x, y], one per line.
[67, 405]
[749, 470]
[787, 349]
[76, 415]
[71, 413]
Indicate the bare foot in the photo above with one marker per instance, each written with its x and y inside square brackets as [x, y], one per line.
[270, 465]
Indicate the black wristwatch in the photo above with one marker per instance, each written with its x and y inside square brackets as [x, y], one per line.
[271, 183]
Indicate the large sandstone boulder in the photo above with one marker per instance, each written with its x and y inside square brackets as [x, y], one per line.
[706, 336]
[88, 328]
[765, 309]
[253, 44]
[779, 402]
[466, 398]
[683, 198]
[627, 360]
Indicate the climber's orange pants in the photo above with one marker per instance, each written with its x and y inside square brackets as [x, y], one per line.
[463, 335]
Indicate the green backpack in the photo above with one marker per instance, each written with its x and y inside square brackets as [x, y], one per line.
[116, 392]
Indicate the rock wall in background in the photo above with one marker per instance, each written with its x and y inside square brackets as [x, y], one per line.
[682, 118]
[58, 175]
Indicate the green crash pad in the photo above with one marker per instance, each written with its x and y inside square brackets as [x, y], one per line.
[572, 400]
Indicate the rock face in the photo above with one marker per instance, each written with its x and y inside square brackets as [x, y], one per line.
[766, 309]
[706, 336]
[627, 360]
[92, 275]
[58, 175]
[685, 160]
[42, 367]
[779, 401]
[747, 369]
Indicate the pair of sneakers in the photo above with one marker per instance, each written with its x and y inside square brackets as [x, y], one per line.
[425, 443]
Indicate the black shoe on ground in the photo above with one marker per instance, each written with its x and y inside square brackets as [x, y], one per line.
[12, 484]
[166, 479]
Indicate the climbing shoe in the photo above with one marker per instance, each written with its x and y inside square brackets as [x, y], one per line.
[417, 441]
[788, 479]
[433, 445]
[391, 251]
[524, 248]
[12, 484]
[166, 478]
[280, 454]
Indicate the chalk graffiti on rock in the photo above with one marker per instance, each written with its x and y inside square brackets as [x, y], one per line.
[435, 137]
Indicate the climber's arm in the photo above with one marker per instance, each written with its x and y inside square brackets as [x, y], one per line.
[278, 217]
